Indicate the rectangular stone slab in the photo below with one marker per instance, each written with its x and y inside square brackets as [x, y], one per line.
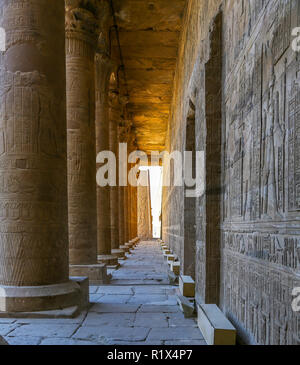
[186, 286]
[175, 267]
[170, 258]
[215, 327]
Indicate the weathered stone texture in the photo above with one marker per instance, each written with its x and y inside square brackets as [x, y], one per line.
[33, 228]
[114, 119]
[104, 67]
[257, 207]
[81, 41]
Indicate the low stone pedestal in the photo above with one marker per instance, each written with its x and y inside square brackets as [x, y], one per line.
[175, 267]
[109, 260]
[170, 258]
[173, 279]
[187, 286]
[215, 327]
[187, 306]
[96, 273]
[119, 253]
[27, 301]
[129, 244]
[125, 248]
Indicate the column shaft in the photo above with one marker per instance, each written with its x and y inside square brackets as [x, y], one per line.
[103, 72]
[33, 164]
[81, 147]
[113, 147]
[81, 39]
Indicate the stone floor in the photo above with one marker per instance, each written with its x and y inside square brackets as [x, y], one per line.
[138, 308]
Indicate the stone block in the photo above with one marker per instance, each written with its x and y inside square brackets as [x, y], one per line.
[175, 268]
[186, 286]
[83, 283]
[119, 253]
[125, 248]
[97, 273]
[215, 327]
[109, 260]
[187, 306]
[170, 258]
[27, 300]
[173, 279]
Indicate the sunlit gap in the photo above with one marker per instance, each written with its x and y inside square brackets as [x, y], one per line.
[155, 173]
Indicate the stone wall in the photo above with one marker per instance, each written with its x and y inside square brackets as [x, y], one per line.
[250, 262]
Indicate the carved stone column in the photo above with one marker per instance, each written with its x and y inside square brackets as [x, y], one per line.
[34, 265]
[114, 119]
[82, 20]
[104, 67]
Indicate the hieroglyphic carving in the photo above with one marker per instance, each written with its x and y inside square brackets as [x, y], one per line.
[282, 29]
[33, 193]
[262, 260]
[277, 249]
[82, 26]
[294, 148]
[259, 298]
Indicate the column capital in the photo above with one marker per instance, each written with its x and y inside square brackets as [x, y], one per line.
[85, 19]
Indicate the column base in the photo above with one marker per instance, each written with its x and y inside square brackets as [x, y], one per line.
[96, 273]
[119, 253]
[109, 260]
[24, 301]
[129, 244]
[125, 248]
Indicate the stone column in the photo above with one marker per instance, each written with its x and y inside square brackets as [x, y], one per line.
[104, 67]
[114, 120]
[81, 40]
[34, 265]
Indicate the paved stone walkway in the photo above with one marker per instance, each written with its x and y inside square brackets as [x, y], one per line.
[137, 308]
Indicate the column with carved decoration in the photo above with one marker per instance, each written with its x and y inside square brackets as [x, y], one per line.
[104, 69]
[34, 262]
[82, 26]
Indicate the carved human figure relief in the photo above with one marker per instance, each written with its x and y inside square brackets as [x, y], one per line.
[269, 198]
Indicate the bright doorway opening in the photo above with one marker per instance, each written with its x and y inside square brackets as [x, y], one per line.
[155, 175]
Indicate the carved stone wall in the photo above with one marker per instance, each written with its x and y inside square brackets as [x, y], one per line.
[259, 202]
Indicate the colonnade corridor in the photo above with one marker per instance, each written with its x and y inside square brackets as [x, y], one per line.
[122, 121]
[138, 307]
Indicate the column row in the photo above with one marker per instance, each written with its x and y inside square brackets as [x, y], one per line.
[60, 106]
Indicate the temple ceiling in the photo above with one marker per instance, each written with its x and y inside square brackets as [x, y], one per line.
[149, 36]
